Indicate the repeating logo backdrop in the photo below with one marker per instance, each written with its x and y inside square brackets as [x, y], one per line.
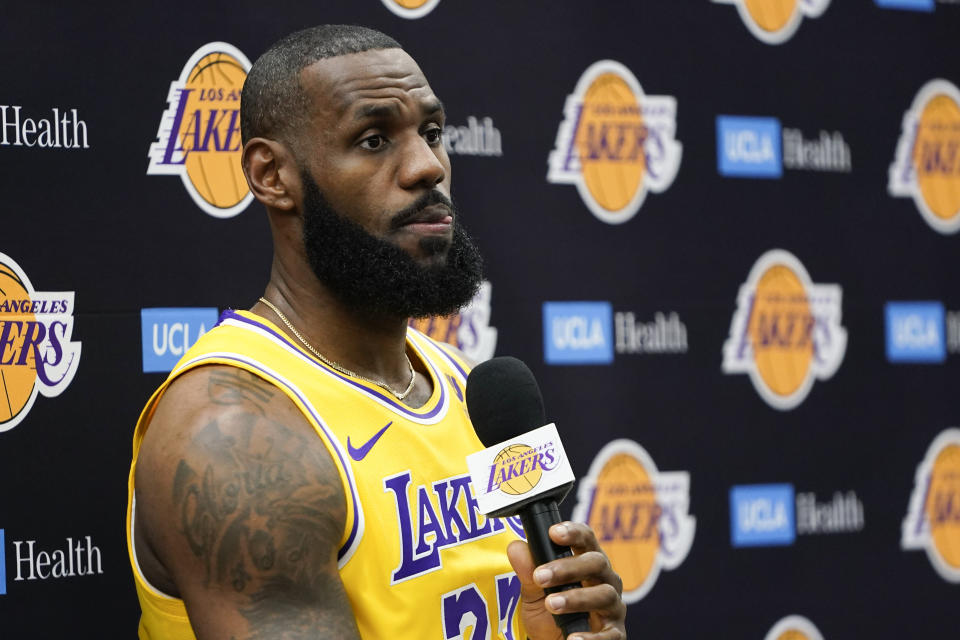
[722, 233]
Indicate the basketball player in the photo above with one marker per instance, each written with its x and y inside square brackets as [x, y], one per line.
[301, 473]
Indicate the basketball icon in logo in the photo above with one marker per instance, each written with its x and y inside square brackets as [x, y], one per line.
[199, 136]
[927, 165]
[36, 354]
[786, 330]
[516, 470]
[615, 143]
[640, 515]
[794, 628]
[775, 21]
[411, 9]
[933, 519]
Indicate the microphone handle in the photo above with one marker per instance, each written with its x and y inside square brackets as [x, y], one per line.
[537, 518]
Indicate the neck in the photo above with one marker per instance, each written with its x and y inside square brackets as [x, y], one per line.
[372, 346]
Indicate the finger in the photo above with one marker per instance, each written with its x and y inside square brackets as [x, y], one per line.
[592, 565]
[575, 535]
[601, 599]
[610, 633]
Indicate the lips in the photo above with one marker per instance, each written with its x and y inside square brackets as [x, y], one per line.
[432, 214]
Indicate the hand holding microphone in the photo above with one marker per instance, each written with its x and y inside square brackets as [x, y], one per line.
[524, 471]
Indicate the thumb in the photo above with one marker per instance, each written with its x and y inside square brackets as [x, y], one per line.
[522, 562]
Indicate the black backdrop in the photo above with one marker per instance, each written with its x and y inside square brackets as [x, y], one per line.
[91, 221]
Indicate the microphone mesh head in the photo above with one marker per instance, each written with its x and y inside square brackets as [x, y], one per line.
[504, 400]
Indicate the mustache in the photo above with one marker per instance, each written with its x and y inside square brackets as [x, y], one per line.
[407, 214]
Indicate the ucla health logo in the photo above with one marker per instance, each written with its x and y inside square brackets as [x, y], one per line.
[411, 9]
[469, 330]
[758, 147]
[933, 519]
[786, 330]
[36, 353]
[168, 333]
[915, 332]
[775, 21]
[615, 142]
[641, 515]
[927, 164]
[794, 628]
[762, 515]
[199, 135]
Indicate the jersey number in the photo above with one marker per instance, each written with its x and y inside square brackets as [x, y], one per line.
[466, 607]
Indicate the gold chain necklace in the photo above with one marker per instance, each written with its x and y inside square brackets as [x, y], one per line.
[340, 367]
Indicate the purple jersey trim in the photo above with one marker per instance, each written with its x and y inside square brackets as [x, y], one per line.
[440, 347]
[401, 408]
[357, 517]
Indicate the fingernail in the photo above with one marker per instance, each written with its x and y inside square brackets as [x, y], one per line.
[556, 602]
[543, 576]
[561, 529]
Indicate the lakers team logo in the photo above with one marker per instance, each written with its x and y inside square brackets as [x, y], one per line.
[36, 354]
[794, 628]
[469, 330]
[775, 21]
[640, 515]
[927, 166]
[411, 9]
[933, 520]
[615, 143]
[199, 135]
[786, 330]
[518, 468]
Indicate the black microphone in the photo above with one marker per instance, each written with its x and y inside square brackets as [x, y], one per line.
[505, 403]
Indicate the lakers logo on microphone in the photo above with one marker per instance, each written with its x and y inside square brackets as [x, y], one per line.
[775, 21]
[199, 135]
[615, 142]
[411, 9]
[794, 628]
[786, 330]
[640, 515]
[933, 520]
[36, 354]
[927, 165]
[518, 468]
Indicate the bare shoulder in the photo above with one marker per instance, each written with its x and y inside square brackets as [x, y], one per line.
[242, 509]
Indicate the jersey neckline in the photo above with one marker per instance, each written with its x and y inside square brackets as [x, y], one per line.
[431, 411]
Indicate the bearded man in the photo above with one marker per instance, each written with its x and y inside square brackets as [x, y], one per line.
[301, 472]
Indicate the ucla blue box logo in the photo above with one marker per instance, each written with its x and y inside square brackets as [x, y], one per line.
[909, 5]
[749, 147]
[915, 332]
[762, 515]
[3, 564]
[168, 333]
[577, 332]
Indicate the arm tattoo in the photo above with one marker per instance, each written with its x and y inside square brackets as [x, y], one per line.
[261, 509]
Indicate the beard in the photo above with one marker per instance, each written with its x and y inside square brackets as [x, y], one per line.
[372, 276]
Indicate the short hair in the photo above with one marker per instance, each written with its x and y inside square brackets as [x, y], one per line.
[273, 102]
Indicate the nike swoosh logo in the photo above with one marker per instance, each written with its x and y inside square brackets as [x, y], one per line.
[361, 453]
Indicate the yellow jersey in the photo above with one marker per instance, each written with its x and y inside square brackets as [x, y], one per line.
[416, 558]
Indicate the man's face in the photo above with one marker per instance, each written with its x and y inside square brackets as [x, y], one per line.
[380, 229]
[373, 145]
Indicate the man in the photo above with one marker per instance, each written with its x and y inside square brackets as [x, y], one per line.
[248, 516]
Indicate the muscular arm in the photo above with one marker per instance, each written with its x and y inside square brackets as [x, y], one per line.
[240, 511]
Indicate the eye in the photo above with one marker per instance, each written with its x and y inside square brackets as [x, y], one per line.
[374, 142]
[433, 136]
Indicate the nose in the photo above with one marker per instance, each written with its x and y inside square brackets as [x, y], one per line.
[422, 166]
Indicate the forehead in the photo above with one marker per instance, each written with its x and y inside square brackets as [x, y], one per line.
[337, 86]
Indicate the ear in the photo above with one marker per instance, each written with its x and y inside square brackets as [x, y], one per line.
[271, 173]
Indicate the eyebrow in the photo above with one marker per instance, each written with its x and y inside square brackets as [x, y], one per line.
[375, 111]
